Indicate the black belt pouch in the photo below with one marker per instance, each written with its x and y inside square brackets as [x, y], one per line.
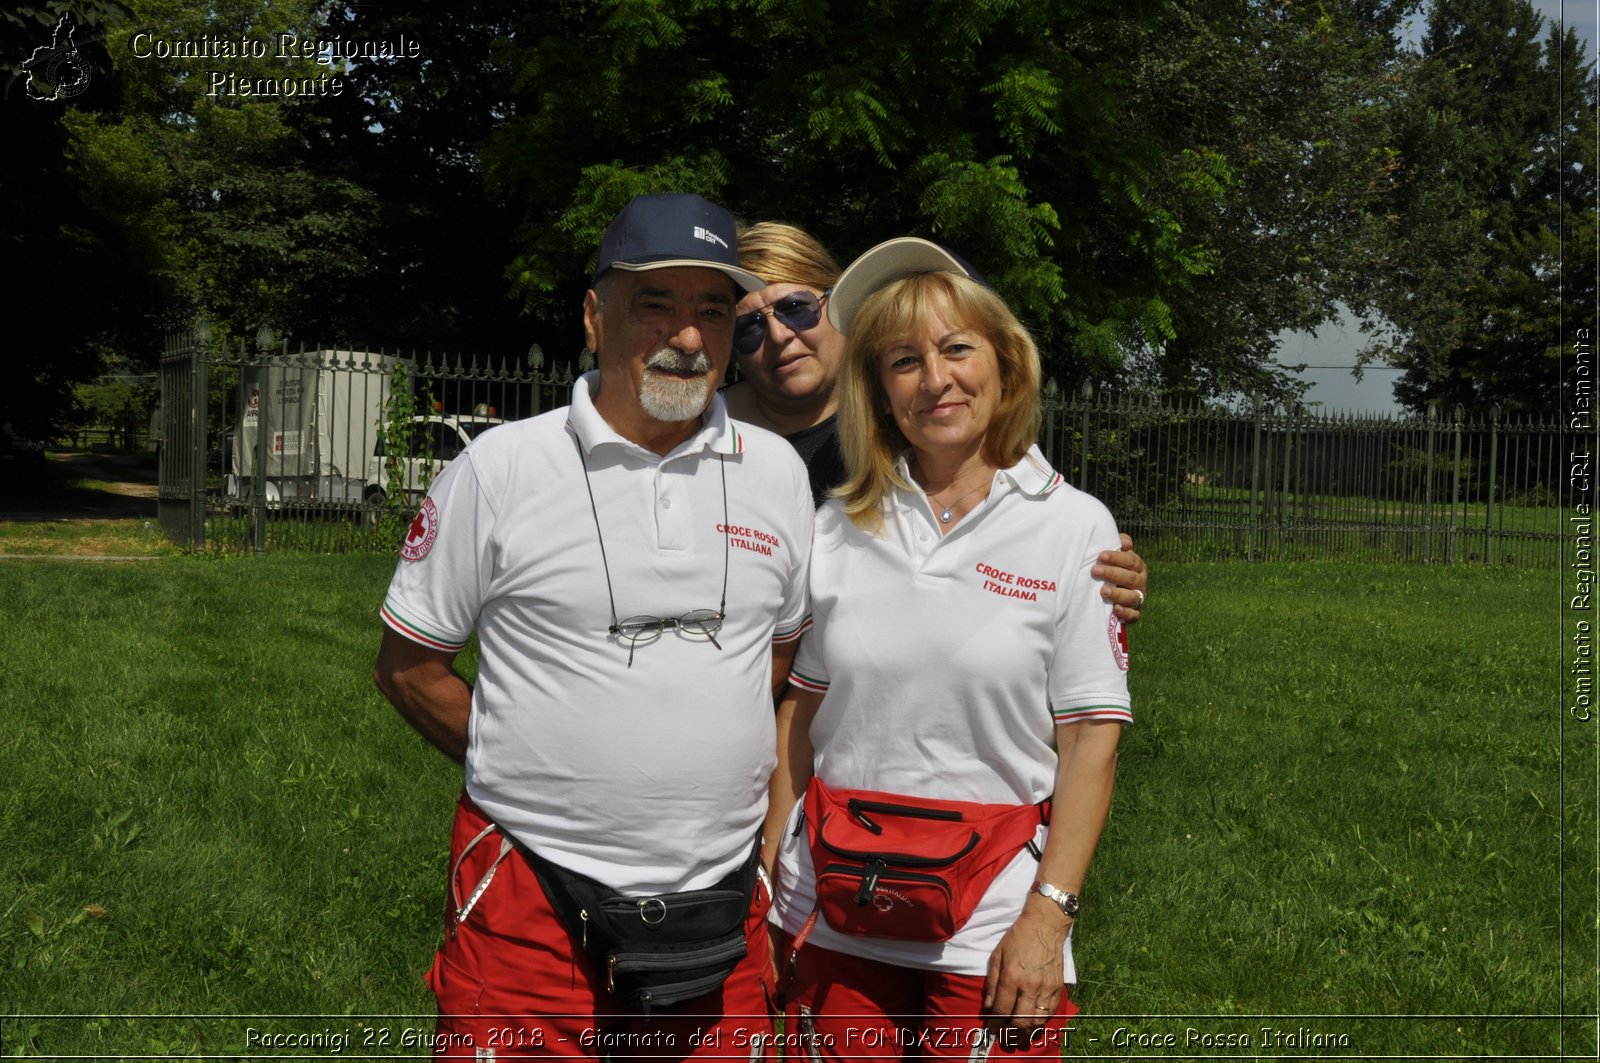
[658, 951]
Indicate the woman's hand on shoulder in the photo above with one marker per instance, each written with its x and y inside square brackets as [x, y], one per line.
[1126, 578]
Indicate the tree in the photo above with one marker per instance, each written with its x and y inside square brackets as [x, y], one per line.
[83, 287]
[208, 161]
[1001, 127]
[1287, 104]
[1159, 187]
[411, 131]
[1500, 126]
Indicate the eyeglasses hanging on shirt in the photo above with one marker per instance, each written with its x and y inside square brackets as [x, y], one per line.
[644, 628]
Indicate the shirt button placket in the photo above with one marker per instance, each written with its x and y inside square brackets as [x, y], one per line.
[672, 513]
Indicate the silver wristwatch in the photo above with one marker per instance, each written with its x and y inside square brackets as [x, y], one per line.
[1067, 902]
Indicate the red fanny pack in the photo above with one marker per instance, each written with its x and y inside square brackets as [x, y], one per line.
[908, 868]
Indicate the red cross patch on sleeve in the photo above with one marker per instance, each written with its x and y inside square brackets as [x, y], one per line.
[424, 529]
[1119, 641]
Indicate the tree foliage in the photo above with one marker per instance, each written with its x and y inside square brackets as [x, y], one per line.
[255, 228]
[81, 284]
[1002, 127]
[411, 132]
[1289, 105]
[1498, 182]
[1159, 187]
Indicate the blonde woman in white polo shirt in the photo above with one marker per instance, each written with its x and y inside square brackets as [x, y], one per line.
[789, 353]
[947, 745]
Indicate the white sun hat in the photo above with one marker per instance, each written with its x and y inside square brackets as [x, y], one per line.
[885, 264]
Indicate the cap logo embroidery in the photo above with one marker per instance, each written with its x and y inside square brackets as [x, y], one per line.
[702, 233]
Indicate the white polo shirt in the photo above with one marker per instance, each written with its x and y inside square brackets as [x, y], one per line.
[650, 777]
[947, 662]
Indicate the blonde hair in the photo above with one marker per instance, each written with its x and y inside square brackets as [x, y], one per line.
[783, 254]
[868, 435]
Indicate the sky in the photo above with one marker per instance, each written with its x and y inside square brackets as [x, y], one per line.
[1327, 355]
[1330, 352]
[1580, 16]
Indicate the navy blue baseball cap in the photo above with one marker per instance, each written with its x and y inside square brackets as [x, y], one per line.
[659, 232]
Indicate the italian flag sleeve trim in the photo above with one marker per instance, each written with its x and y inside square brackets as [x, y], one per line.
[1085, 713]
[791, 636]
[806, 682]
[417, 633]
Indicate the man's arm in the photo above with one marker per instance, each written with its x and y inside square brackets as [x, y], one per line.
[1126, 580]
[424, 687]
[794, 771]
[782, 660]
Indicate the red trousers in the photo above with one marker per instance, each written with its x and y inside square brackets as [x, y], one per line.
[843, 1007]
[514, 983]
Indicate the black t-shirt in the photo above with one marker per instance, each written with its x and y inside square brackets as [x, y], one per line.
[818, 447]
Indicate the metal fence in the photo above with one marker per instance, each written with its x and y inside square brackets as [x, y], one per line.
[321, 449]
[1197, 482]
[329, 449]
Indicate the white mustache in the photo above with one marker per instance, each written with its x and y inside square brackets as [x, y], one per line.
[673, 360]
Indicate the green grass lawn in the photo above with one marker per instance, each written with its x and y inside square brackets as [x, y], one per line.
[1344, 808]
[209, 808]
[124, 538]
[1342, 796]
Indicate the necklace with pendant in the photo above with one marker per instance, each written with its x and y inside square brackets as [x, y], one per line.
[945, 516]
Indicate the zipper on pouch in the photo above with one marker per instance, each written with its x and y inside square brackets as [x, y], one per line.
[859, 809]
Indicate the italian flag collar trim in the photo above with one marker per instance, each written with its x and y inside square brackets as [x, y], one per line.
[1033, 474]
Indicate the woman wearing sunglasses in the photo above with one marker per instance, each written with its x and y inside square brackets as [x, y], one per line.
[788, 354]
[947, 744]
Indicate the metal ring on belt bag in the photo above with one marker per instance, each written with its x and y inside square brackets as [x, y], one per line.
[462, 910]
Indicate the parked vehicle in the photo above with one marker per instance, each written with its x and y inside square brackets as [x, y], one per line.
[308, 426]
[436, 440]
[314, 426]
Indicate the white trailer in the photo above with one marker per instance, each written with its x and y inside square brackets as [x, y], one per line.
[312, 424]
[315, 424]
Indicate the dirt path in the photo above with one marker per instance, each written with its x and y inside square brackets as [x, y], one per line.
[123, 487]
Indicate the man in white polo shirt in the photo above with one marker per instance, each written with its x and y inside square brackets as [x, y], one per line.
[635, 569]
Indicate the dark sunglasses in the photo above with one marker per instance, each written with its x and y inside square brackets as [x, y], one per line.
[798, 310]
